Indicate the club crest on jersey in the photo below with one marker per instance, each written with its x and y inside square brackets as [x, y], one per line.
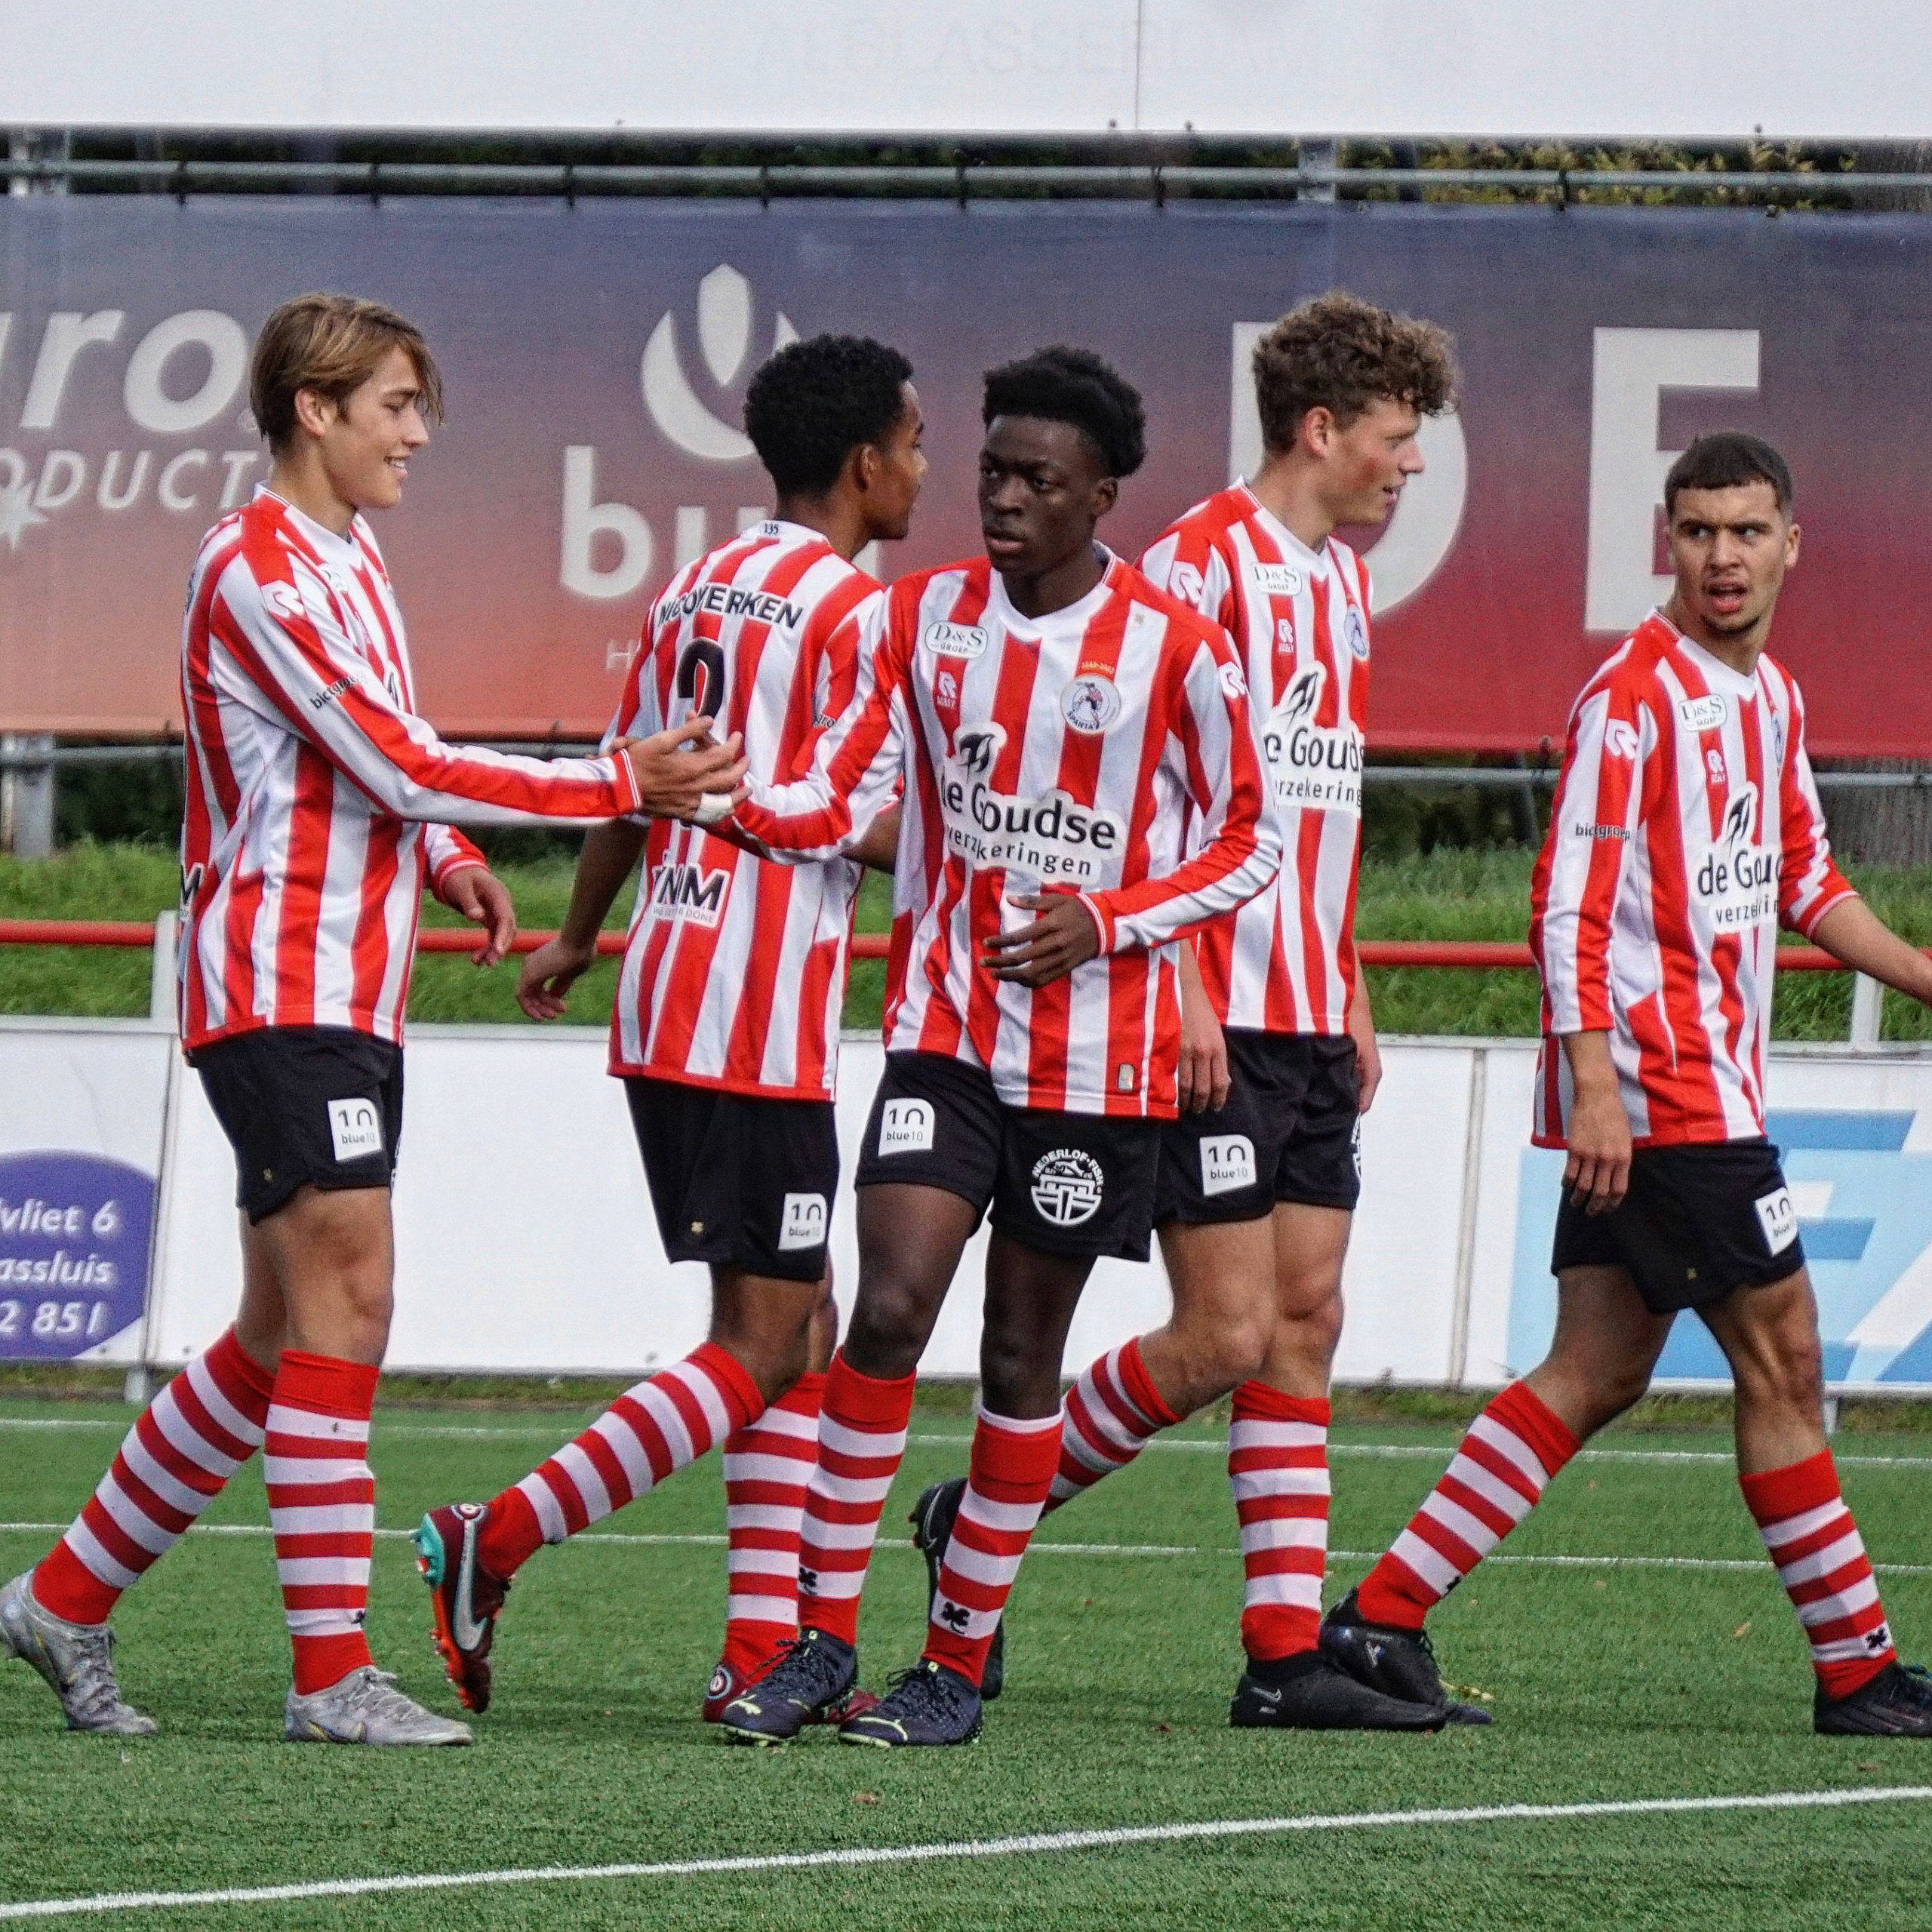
[1354, 634]
[906, 1127]
[1701, 714]
[802, 1223]
[1279, 579]
[1227, 1162]
[955, 640]
[1090, 703]
[1068, 1184]
[689, 893]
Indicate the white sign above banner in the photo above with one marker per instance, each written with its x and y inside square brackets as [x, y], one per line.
[1395, 68]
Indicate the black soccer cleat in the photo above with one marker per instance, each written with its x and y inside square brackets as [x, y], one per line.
[928, 1704]
[1398, 1663]
[1895, 1703]
[932, 1520]
[815, 1674]
[1311, 1693]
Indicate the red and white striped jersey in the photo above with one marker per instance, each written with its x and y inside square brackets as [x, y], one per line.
[316, 795]
[1285, 962]
[734, 971]
[1063, 752]
[1686, 827]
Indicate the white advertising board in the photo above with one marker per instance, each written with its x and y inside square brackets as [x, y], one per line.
[1381, 67]
[526, 1243]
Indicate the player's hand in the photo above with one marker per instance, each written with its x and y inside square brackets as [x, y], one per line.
[1203, 1081]
[678, 771]
[483, 900]
[1597, 1175]
[1063, 937]
[549, 974]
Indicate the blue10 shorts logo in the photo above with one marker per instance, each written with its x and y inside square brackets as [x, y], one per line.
[1068, 1184]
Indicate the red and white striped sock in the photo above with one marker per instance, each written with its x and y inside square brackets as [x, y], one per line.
[1109, 1415]
[1822, 1564]
[188, 1441]
[1278, 1466]
[649, 1432]
[322, 1508]
[767, 1466]
[1008, 1477]
[861, 1439]
[1511, 1452]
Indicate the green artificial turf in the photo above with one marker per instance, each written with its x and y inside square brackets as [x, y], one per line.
[1443, 895]
[1608, 1682]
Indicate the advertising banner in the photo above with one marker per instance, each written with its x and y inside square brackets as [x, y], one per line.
[80, 1158]
[598, 355]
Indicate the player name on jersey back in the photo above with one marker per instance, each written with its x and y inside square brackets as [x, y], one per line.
[733, 973]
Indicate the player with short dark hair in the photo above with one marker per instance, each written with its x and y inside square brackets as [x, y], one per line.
[319, 807]
[1053, 717]
[726, 1028]
[1259, 1176]
[1686, 827]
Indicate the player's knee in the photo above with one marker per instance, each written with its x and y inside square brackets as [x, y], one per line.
[888, 1334]
[1015, 1378]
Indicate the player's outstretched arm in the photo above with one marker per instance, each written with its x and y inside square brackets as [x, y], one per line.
[610, 855]
[1851, 931]
[681, 774]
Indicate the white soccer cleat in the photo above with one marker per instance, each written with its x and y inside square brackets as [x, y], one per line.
[76, 1659]
[366, 1708]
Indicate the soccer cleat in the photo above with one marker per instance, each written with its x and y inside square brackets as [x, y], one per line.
[1321, 1695]
[928, 1704]
[812, 1677]
[465, 1597]
[1895, 1703]
[366, 1708]
[1399, 1663]
[726, 1688]
[932, 1519]
[75, 1659]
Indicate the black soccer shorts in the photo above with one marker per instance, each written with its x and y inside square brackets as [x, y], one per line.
[738, 1180]
[1291, 1131]
[320, 1106]
[1081, 1185]
[1698, 1222]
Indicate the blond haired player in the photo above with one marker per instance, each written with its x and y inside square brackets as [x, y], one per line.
[319, 807]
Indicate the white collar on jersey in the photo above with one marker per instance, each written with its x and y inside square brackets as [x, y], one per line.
[790, 533]
[1074, 617]
[328, 545]
[1316, 560]
[1717, 673]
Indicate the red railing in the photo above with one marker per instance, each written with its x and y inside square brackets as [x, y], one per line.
[1466, 954]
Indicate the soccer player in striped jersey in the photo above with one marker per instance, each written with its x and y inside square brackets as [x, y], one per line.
[1053, 717]
[726, 1028]
[1686, 827]
[1259, 1176]
[319, 806]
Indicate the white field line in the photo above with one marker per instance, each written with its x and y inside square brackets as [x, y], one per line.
[553, 1431]
[1032, 1844]
[624, 1539]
